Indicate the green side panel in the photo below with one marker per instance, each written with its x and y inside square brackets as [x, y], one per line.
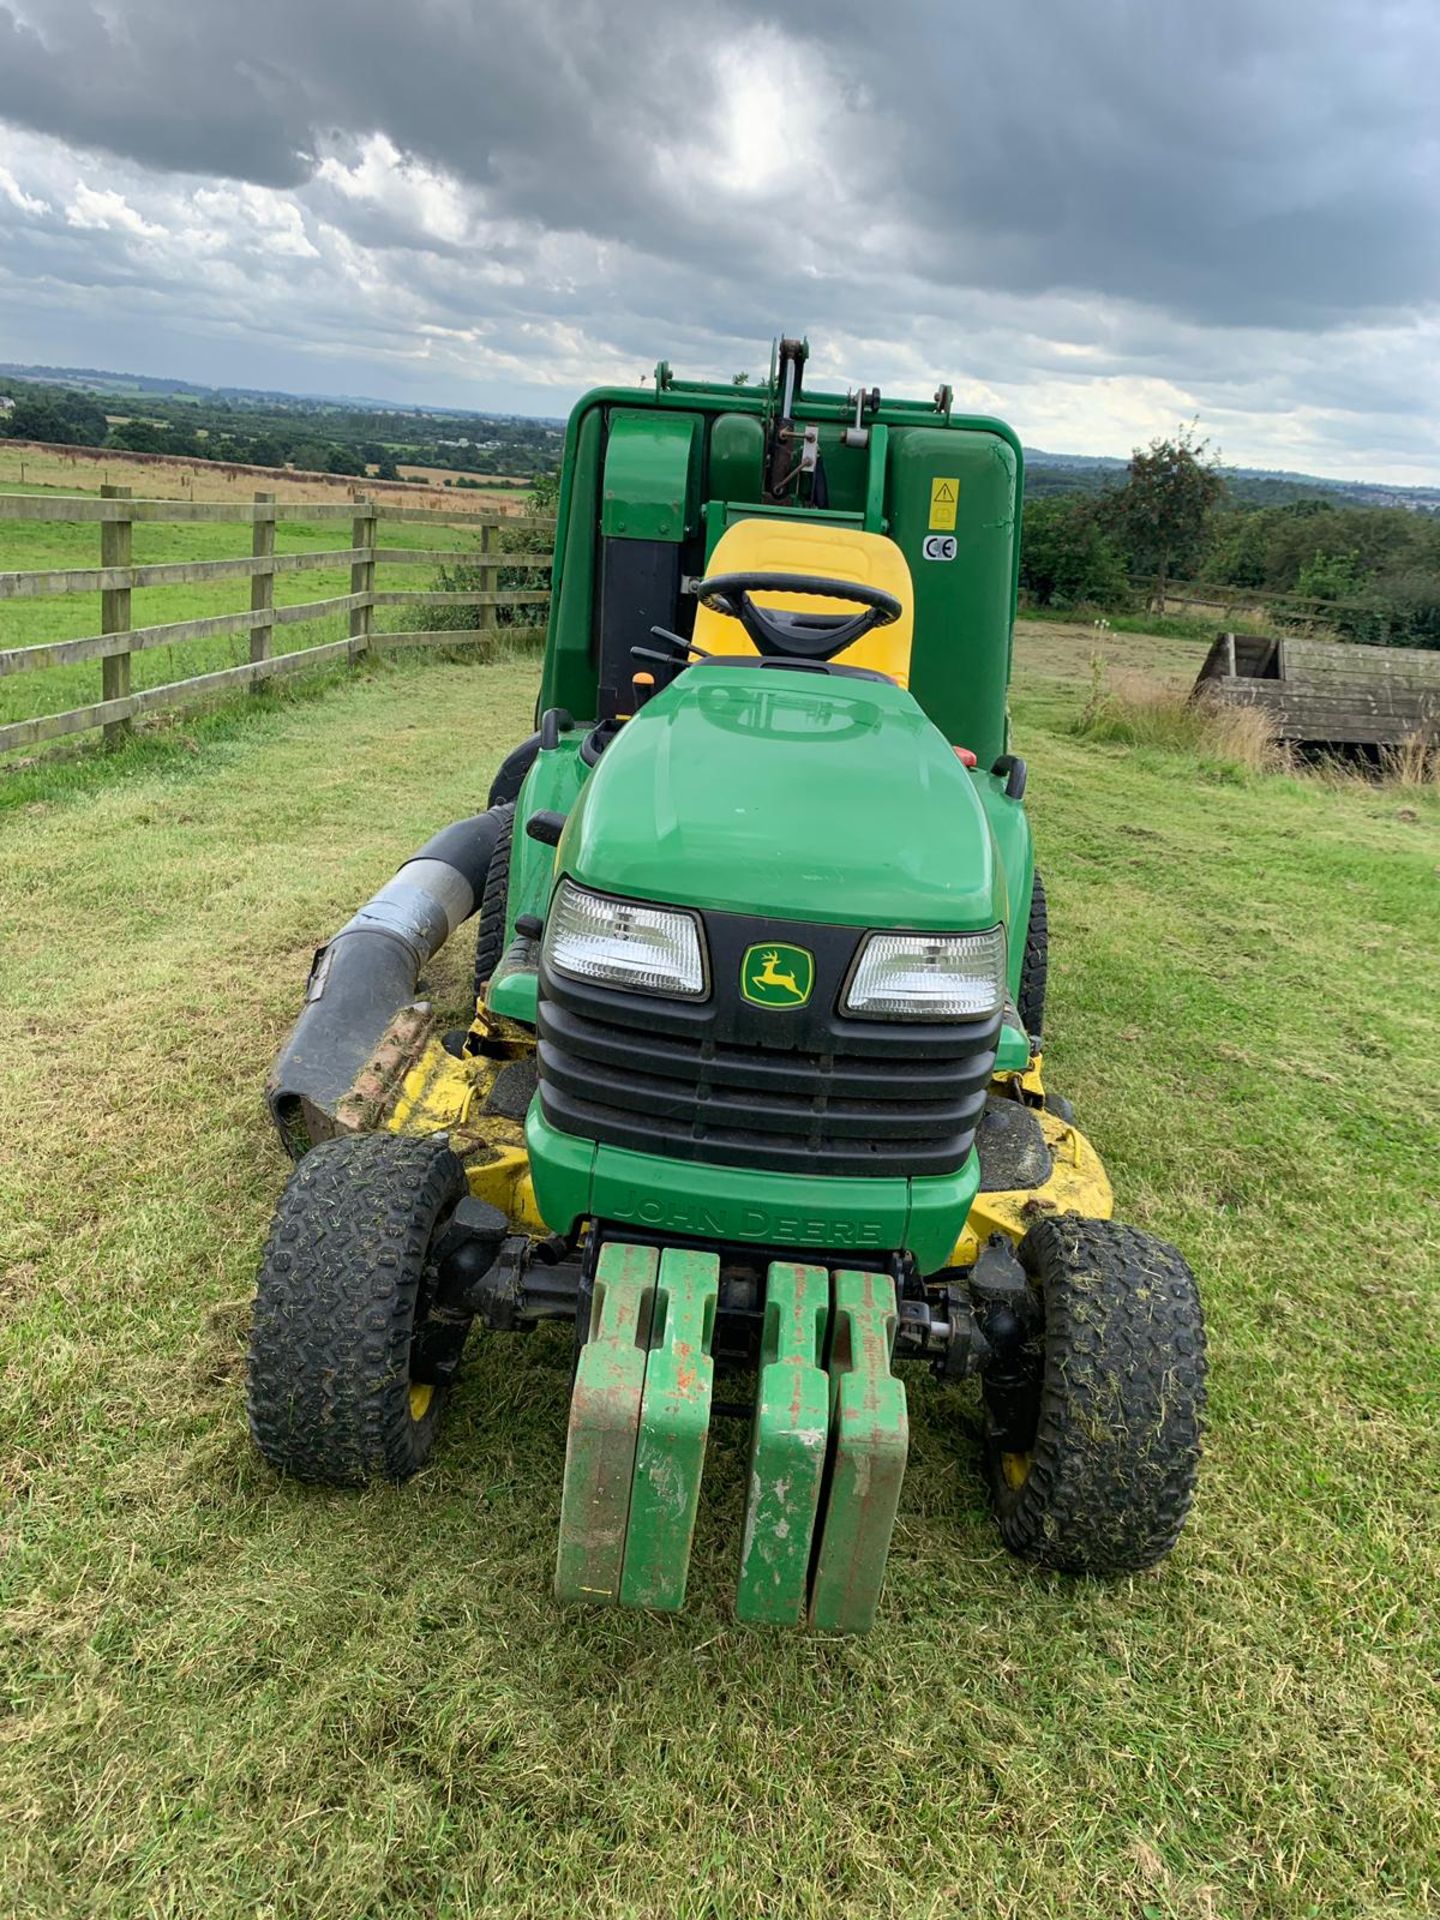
[652, 476]
[551, 786]
[965, 605]
[1013, 1053]
[674, 1426]
[568, 676]
[939, 1207]
[737, 458]
[1015, 850]
[755, 790]
[787, 1448]
[870, 1437]
[514, 992]
[600, 1445]
[562, 1169]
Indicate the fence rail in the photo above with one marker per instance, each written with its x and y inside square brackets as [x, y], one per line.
[1296, 606]
[118, 639]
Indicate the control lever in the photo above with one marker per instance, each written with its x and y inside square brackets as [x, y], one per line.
[682, 647]
[677, 641]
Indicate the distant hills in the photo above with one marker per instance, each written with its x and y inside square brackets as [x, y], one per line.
[1256, 486]
[101, 380]
[1046, 473]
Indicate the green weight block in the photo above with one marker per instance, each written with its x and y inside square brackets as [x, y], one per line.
[787, 1448]
[674, 1425]
[870, 1437]
[604, 1425]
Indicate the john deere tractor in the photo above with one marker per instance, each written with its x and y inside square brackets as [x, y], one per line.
[752, 1091]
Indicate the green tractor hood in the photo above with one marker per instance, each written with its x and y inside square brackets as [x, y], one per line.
[784, 793]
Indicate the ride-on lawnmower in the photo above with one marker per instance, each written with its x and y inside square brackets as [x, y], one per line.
[753, 1082]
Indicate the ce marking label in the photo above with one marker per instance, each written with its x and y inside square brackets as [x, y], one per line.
[939, 546]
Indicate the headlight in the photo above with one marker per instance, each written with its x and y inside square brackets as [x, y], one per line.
[624, 943]
[929, 976]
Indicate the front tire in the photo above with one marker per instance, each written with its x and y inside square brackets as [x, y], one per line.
[1035, 966]
[344, 1289]
[1098, 1473]
[490, 930]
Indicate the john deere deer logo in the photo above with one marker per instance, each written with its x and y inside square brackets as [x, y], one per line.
[774, 975]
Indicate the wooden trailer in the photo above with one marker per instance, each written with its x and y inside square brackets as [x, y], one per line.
[1328, 693]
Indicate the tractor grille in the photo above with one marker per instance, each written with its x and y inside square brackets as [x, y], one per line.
[793, 1093]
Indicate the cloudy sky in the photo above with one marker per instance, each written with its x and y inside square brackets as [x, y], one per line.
[1096, 217]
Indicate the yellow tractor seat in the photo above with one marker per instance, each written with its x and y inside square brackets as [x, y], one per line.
[824, 551]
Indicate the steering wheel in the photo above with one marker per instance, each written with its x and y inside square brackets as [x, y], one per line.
[798, 636]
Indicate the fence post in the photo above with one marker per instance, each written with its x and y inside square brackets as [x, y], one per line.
[489, 578]
[115, 551]
[362, 574]
[262, 583]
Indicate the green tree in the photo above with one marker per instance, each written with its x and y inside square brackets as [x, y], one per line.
[139, 436]
[310, 456]
[1069, 557]
[1165, 505]
[35, 420]
[1330, 576]
[64, 419]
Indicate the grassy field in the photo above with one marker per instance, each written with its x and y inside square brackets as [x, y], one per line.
[228, 1696]
[84, 469]
[26, 545]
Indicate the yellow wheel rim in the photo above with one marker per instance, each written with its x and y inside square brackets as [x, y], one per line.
[1015, 1467]
[420, 1398]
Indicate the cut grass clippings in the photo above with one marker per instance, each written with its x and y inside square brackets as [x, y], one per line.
[226, 1695]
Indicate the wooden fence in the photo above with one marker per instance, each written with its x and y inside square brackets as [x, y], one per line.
[117, 640]
[1300, 608]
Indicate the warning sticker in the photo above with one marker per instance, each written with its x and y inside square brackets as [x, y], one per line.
[944, 499]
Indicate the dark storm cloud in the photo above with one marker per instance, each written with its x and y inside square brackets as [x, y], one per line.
[553, 104]
[1248, 161]
[1238, 163]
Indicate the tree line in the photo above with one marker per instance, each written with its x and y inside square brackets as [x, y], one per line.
[319, 436]
[1174, 518]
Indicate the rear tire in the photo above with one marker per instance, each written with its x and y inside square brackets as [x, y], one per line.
[1106, 1480]
[343, 1288]
[494, 900]
[1036, 964]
